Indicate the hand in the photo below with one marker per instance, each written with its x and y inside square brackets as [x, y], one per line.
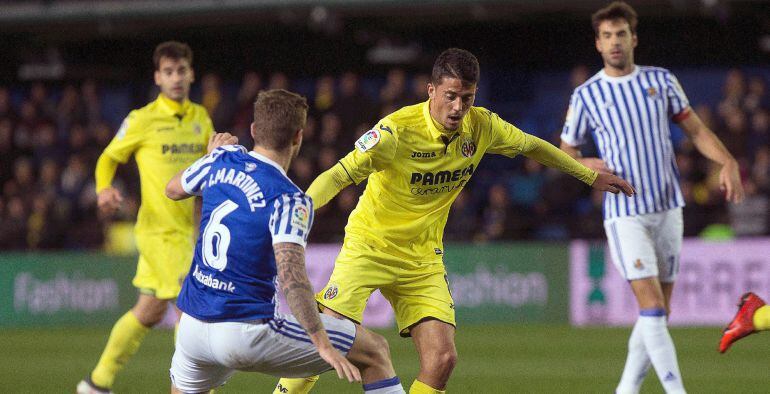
[345, 370]
[595, 164]
[613, 184]
[108, 201]
[220, 139]
[730, 182]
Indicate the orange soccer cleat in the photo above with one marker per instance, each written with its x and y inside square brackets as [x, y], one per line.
[743, 322]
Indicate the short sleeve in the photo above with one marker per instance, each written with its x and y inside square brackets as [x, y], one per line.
[373, 151]
[194, 177]
[576, 122]
[677, 99]
[292, 218]
[128, 139]
[506, 139]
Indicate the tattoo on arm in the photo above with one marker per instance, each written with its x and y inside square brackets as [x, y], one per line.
[290, 261]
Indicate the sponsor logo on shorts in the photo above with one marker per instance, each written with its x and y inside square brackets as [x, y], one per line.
[197, 128]
[331, 292]
[438, 251]
[281, 389]
[638, 264]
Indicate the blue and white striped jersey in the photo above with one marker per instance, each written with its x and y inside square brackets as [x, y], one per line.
[249, 204]
[628, 118]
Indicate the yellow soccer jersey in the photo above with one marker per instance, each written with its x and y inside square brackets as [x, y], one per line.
[416, 169]
[166, 137]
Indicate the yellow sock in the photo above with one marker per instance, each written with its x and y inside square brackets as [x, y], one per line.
[295, 385]
[125, 338]
[762, 318]
[419, 387]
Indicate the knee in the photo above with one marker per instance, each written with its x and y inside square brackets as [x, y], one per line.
[380, 350]
[443, 360]
[149, 316]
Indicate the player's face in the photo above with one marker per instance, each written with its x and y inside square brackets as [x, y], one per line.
[450, 100]
[616, 44]
[174, 77]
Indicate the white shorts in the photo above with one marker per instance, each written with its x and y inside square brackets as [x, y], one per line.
[209, 353]
[646, 246]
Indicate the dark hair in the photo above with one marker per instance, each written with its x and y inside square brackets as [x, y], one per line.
[615, 10]
[278, 114]
[456, 63]
[172, 49]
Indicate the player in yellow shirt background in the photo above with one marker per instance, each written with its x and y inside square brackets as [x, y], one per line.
[165, 136]
[417, 160]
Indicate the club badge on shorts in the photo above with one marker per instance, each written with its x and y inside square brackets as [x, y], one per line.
[331, 292]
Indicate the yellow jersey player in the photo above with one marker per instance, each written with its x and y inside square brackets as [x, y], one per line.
[416, 161]
[165, 136]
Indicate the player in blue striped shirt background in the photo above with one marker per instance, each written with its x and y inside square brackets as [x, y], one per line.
[626, 108]
[254, 228]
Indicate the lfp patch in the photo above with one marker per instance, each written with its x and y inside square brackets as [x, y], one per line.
[300, 217]
[368, 140]
[331, 292]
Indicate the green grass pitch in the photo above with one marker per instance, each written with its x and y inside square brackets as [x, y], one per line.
[492, 359]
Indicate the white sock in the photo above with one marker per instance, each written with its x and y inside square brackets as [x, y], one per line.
[637, 364]
[385, 386]
[660, 349]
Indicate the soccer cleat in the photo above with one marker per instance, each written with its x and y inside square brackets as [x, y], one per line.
[743, 322]
[86, 386]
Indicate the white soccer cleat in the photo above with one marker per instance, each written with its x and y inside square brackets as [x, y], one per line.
[86, 387]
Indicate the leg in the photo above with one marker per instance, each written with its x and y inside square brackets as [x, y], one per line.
[126, 337]
[752, 316]
[434, 341]
[353, 280]
[655, 335]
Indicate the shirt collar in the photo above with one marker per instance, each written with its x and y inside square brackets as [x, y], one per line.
[172, 107]
[435, 128]
[623, 78]
[267, 160]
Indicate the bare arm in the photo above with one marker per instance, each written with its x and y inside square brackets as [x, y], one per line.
[174, 189]
[296, 288]
[593, 163]
[709, 145]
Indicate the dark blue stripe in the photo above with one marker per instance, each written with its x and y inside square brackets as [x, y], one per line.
[620, 129]
[653, 312]
[382, 384]
[665, 136]
[296, 328]
[655, 146]
[649, 150]
[306, 340]
[616, 162]
[335, 332]
[640, 156]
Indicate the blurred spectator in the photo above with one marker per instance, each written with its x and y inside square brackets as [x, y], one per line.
[92, 104]
[756, 96]
[45, 144]
[353, 106]
[750, 217]
[461, 223]
[733, 92]
[213, 98]
[279, 80]
[6, 108]
[331, 131]
[394, 92]
[760, 129]
[8, 151]
[419, 88]
[324, 94]
[44, 106]
[302, 172]
[244, 107]
[495, 216]
[13, 232]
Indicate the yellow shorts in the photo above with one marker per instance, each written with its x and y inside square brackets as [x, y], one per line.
[416, 290]
[164, 261]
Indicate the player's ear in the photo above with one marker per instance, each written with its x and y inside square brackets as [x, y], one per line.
[634, 40]
[431, 90]
[598, 45]
[298, 137]
[192, 75]
[157, 77]
[253, 131]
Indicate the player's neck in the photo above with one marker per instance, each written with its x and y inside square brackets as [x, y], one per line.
[619, 72]
[283, 159]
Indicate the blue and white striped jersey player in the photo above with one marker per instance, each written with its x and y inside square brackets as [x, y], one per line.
[254, 226]
[627, 108]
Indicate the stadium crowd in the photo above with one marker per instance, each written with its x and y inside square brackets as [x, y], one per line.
[51, 136]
